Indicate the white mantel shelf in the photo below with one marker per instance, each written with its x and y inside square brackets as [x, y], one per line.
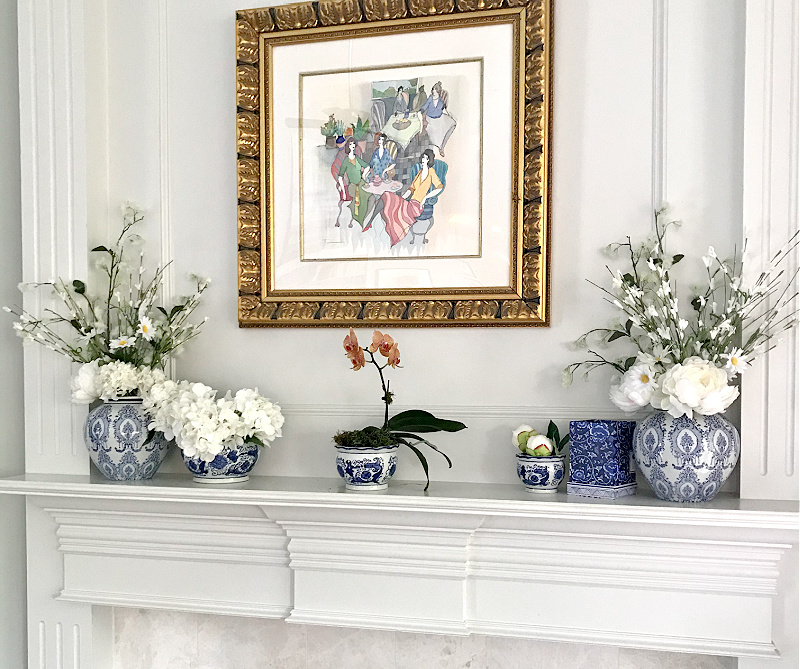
[459, 559]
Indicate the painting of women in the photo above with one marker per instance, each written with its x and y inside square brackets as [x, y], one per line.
[438, 122]
[382, 163]
[355, 170]
[399, 213]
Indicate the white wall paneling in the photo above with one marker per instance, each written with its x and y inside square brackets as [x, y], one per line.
[770, 397]
[463, 559]
[132, 100]
[53, 162]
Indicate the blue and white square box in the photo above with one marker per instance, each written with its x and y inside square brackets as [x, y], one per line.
[601, 458]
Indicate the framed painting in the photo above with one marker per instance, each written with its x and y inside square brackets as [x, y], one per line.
[394, 163]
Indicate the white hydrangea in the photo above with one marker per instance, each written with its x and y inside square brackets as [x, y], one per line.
[118, 379]
[202, 424]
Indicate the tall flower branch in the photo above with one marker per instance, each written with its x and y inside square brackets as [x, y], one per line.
[686, 364]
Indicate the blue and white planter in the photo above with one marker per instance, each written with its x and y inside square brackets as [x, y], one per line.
[601, 458]
[686, 459]
[540, 474]
[366, 468]
[115, 436]
[232, 464]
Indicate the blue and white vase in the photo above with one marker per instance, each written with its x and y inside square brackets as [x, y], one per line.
[231, 465]
[540, 474]
[116, 436]
[686, 459]
[601, 458]
[366, 468]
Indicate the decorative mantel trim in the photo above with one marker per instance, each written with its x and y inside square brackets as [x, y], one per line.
[461, 559]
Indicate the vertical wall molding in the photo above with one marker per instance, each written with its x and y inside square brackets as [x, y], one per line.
[770, 423]
[660, 80]
[52, 139]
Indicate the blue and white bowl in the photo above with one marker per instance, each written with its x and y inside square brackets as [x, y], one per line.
[231, 465]
[366, 468]
[540, 474]
[116, 436]
[686, 459]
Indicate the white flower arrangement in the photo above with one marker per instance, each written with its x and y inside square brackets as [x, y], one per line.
[688, 365]
[122, 325]
[203, 424]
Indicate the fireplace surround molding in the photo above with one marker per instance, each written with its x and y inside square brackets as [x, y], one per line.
[462, 559]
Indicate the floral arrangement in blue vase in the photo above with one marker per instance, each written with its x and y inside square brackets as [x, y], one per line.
[540, 462]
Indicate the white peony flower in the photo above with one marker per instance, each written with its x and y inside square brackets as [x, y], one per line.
[85, 384]
[540, 445]
[521, 435]
[634, 389]
[695, 385]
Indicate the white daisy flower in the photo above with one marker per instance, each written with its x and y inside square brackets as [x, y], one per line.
[734, 363]
[122, 342]
[146, 328]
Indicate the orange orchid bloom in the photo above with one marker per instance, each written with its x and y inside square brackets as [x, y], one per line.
[393, 356]
[381, 342]
[358, 359]
[353, 351]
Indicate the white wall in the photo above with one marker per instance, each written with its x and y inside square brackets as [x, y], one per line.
[12, 461]
[171, 147]
[160, 113]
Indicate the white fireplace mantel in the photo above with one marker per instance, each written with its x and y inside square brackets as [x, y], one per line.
[460, 559]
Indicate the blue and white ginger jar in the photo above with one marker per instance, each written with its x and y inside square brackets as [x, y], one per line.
[116, 437]
[601, 458]
[366, 468]
[231, 465]
[540, 474]
[686, 459]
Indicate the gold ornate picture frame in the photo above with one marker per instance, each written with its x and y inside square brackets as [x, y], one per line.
[311, 179]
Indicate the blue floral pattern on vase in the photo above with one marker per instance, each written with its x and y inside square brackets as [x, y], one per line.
[232, 464]
[600, 458]
[686, 459]
[116, 436]
[366, 468]
[540, 474]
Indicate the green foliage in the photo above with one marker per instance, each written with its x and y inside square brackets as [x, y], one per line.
[360, 129]
[558, 441]
[368, 437]
[332, 128]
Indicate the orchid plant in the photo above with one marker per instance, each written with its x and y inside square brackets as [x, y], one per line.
[123, 324]
[687, 363]
[401, 428]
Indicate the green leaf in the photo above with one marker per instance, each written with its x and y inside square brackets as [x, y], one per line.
[163, 311]
[408, 435]
[74, 323]
[255, 440]
[628, 326]
[616, 335]
[677, 258]
[101, 248]
[175, 310]
[628, 278]
[423, 462]
[421, 421]
[629, 363]
[563, 442]
[79, 287]
[552, 432]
